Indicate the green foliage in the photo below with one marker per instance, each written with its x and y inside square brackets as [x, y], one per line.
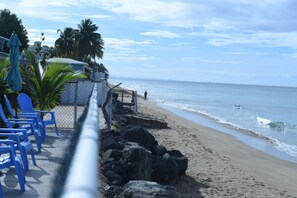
[89, 42]
[10, 22]
[80, 43]
[45, 87]
[65, 45]
[4, 63]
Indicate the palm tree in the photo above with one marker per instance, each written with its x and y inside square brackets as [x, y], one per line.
[46, 86]
[89, 42]
[65, 45]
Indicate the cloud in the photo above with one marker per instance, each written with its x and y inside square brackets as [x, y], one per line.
[236, 53]
[125, 44]
[169, 13]
[268, 39]
[161, 33]
[98, 16]
[189, 59]
[123, 57]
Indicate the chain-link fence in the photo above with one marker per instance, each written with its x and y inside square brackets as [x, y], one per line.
[72, 103]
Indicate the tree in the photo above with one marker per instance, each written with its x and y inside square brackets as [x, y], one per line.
[10, 22]
[65, 45]
[88, 41]
[46, 86]
[4, 63]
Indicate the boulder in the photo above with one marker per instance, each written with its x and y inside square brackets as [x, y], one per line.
[139, 135]
[142, 189]
[113, 177]
[181, 161]
[164, 169]
[138, 162]
[158, 150]
[112, 153]
[111, 141]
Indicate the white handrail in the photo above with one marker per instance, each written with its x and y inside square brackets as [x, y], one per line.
[82, 179]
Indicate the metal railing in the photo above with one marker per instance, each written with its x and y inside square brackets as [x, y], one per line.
[81, 179]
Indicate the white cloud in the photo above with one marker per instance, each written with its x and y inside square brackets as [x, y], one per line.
[269, 39]
[161, 33]
[189, 59]
[124, 44]
[126, 57]
[98, 16]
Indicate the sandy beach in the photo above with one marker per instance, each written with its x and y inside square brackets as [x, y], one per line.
[219, 165]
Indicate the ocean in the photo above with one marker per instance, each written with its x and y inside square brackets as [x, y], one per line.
[263, 117]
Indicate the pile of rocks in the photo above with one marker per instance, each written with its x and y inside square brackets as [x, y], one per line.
[136, 165]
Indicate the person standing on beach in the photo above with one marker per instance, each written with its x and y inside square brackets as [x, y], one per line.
[145, 95]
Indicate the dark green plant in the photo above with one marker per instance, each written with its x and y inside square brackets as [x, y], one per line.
[45, 87]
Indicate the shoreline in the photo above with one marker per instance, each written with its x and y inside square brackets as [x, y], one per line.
[251, 138]
[219, 164]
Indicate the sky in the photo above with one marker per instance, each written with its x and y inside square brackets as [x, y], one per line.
[225, 41]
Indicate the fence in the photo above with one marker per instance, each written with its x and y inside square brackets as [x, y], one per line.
[73, 100]
[78, 176]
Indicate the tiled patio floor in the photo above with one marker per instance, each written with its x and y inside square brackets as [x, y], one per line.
[39, 179]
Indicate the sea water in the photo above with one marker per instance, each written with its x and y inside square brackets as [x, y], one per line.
[264, 117]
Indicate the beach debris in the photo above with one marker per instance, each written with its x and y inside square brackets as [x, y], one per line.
[148, 121]
[148, 189]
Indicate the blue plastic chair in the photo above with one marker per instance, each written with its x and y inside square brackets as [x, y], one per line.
[8, 158]
[27, 124]
[35, 116]
[21, 143]
[26, 105]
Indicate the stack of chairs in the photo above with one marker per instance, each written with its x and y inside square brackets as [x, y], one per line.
[15, 144]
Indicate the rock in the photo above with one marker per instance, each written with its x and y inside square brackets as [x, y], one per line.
[110, 141]
[164, 169]
[139, 162]
[147, 189]
[181, 161]
[119, 167]
[113, 178]
[116, 154]
[159, 150]
[139, 135]
[112, 191]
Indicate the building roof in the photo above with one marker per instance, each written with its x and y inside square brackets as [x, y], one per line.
[76, 65]
[66, 61]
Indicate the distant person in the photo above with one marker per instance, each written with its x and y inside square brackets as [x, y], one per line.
[145, 95]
